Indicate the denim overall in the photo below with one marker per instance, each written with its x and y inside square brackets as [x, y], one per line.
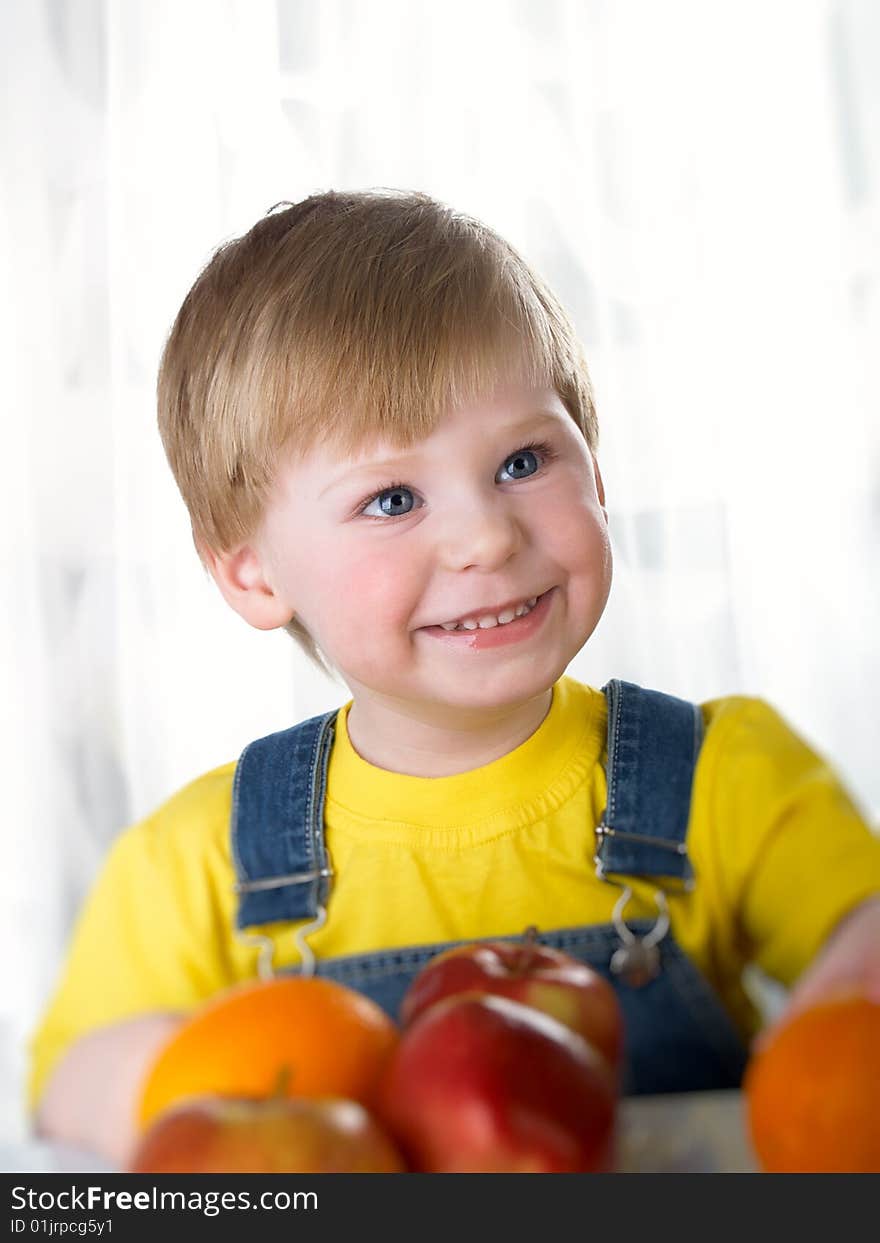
[677, 1036]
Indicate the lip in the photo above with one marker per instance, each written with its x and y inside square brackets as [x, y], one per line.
[497, 636]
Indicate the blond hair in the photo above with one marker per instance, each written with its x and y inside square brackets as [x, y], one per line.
[345, 319]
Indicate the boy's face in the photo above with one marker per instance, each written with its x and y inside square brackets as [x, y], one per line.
[475, 520]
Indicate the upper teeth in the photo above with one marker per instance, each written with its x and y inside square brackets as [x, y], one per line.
[489, 620]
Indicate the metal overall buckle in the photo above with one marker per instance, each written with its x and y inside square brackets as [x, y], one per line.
[637, 959]
[266, 958]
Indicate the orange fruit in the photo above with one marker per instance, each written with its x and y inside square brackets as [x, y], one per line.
[813, 1092]
[304, 1035]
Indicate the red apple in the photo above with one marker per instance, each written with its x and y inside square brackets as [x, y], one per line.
[481, 1084]
[528, 972]
[278, 1135]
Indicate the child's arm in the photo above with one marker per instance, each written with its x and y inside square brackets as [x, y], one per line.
[849, 961]
[156, 939]
[90, 1099]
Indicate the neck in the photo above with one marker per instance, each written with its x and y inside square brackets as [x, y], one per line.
[402, 739]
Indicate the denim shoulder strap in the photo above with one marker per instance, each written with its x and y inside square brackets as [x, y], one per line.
[278, 848]
[281, 865]
[653, 743]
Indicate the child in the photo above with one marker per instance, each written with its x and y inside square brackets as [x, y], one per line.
[382, 426]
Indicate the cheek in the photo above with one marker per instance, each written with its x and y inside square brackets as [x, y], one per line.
[367, 586]
[577, 534]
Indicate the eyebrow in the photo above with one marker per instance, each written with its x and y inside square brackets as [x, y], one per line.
[400, 463]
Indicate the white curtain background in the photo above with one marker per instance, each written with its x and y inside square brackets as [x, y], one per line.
[698, 181]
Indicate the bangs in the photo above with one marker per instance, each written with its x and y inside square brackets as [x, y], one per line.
[415, 333]
[386, 389]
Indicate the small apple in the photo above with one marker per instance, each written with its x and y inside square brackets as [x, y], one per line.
[482, 1084]
[276, 1135]
[534, 974]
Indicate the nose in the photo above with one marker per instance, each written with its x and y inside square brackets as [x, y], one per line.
[480, 534]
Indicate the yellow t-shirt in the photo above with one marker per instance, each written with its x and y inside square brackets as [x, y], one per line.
[779, 850]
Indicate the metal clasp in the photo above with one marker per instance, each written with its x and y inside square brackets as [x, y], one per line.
[278, 882]
[265, 966]
[637, 959]
[266, 957]
[604, 831]
[307, 957]
[265, 960]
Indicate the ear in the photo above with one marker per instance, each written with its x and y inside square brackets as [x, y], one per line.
[600, 487]
[242, 580]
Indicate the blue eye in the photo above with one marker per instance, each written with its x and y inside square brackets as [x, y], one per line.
[521, 459]
[392, 500]
[396, 499]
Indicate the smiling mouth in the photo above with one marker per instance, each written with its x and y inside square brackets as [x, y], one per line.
[487, 620]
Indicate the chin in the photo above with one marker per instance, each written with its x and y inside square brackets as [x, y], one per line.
[496, 689]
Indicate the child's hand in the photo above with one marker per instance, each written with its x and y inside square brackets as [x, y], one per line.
[90, 1099]
[849, 962]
